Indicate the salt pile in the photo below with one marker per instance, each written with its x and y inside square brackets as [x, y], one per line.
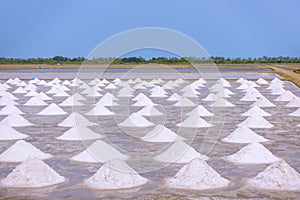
[174, 97]
[70, 101]
[32, 173]
[15, 120]
[244, 135]
[19, 90]
[295, 102]
[161, 134]
[136, 120]
[111, 86]
[221, 102]
[286, 96]
[31, 93]
[35, 101]
[210, 97]
[108, 100]
[79, 133]
[256, 121]
[278, 176]
[8, 133]
[22, 150]
[4, 100]
[200, 111]
[149, 111]
[194, 121]
[9, 109]
[184, 102]
[253, 153]
[144, 101]
[251, 96]
[179, 152]
[52, 109]
[296, 113]
[43, 96]
[197, 175]
[76, 119]
[139, 96]
[100, 110]
[115, 174]
[262, 81]
[99, 152]
[255, 110]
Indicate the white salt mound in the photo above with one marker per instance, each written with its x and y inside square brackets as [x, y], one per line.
[194, 121]
[115, 174]
[32, 173]
[8, 133]
[149, 111]
[244, 135]
[253, 153]
[10, 109]
[76, 119]
[255, 110]
[79, 133]
[136, 120]
[184, 102]
[295, 102]
[35, 101]
[197, 175]
[296, 113]
[161, 134]
[221, 102]
[22, 150]
[70, 101]
[52, 109]
[256, 121]
[278, 176]
[99, 152]
[179, 152]
[200, 111]
[100, 110]
[15, 120]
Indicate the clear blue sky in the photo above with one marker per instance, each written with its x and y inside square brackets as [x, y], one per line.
[230, 28]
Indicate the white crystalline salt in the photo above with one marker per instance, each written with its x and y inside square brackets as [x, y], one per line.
[79, 133]
[31, 93]
[194, 121]
[35, 101]
[139, 96]
[286, 96]
[262, 81]
[43, 96]
[19, 90]
[210, 97]
[22, 150]
[174, 97]
[295, 102]
[136, 120]
[149, 111]
[8, 133]
[244, 135]
[144, 101]
[52, 109]
[100, 110]
[200, 111]
[15, 120]
[161, 134]
[179, 152]
[108, 100]
[255, 110]
[253, 153]
[9, 109]
[184, 102]
[221, 102]
[32, 173]
[197, 175]
[296, 113]
[115, 174]
[278, 176]
[99, 152]
[256, 121]
[76, 119]
[70, 101]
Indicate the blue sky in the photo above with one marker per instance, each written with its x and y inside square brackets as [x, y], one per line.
[230, 28]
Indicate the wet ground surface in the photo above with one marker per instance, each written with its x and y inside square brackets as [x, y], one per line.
[284, 143]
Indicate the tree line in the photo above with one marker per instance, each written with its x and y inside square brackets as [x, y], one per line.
[140, 60]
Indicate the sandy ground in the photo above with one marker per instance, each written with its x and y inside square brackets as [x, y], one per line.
[288, 75]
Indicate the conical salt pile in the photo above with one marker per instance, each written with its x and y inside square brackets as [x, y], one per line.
[179, 152]
[108, 100]
[161, 134]
[9, 109]
[52, 109]
[184, 102]
[22, 150]
[19, 90]
[221, 102]
[99, 152]
[149, 111]
[200, 111]
[256, 121]
[144, 101]
[100, 110]
[31, 93]
[197, 175]
[139, 96]
[115, 174]
[35, 101]
[76, 119]
[286, 96]
[79, 133]
[15, 120]
[70, 101]
[174, 97]
[262, 81]
[253, 153]
[8, 133]
[278, 176]
[194, 121]
[32, 173]
[295, 102]
[136, 120]
[255, 110]
[4, 100]
[244, 135]
[296, 113]
[210, 97]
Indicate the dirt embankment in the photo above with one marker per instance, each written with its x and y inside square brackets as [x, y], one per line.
[288, 75]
